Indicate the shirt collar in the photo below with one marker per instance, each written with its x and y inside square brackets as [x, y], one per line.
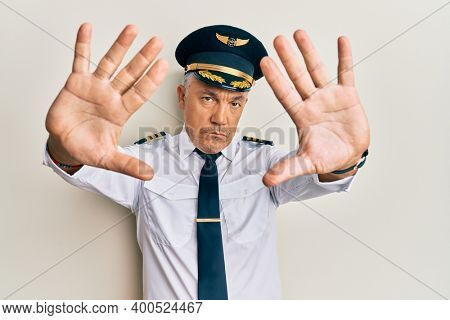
[186, 147]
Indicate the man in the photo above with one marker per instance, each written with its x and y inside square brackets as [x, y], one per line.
[205, 199]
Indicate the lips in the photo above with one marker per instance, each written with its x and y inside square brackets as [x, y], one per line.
[219, 133]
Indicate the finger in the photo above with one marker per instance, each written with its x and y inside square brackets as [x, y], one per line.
[82, 49]
[288, 169]
[345, 65]
[313, 62]
[296, 71]
[289, 98]
[131, 166]
[138, 94]
[112, 59]
[137, 66]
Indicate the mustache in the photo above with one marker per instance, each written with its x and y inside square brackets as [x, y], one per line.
[226, 131]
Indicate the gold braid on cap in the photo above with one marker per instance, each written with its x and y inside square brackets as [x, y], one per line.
[240, 84]
[215, 67]
[210, 76]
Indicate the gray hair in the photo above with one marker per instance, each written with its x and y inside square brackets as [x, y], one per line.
[186, 78]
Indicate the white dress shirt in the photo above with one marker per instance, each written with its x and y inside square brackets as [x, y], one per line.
[166, 208]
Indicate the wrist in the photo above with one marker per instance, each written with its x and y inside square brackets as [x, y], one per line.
[65, 162]
[354, 167]
[330, 177]
[344, 172]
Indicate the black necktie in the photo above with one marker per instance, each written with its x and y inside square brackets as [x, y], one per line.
[212, 283]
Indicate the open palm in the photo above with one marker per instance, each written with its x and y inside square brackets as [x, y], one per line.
[332, 126]
[87, 116]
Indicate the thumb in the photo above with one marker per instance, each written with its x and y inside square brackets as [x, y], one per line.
[131, 166]
[288, 168]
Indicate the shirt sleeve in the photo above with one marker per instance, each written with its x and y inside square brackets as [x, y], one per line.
[303, 187]
[121, 188]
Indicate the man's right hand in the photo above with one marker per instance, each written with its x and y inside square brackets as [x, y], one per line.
[87, 116]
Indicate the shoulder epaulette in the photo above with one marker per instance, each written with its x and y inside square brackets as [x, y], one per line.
[152, 137]
[260, 141]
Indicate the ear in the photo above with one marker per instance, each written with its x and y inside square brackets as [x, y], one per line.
[181, 92]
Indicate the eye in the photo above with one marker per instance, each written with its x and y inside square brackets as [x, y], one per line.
[207, 99]
[235, 105]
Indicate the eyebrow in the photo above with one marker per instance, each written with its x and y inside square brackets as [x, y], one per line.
[238, 98]
[214, 95]
[209, 92]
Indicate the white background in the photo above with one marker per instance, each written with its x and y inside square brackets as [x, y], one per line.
[398, 205]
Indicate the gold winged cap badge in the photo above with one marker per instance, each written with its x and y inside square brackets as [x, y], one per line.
[231, 42]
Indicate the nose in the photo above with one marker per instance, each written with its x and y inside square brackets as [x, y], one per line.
[219, 115]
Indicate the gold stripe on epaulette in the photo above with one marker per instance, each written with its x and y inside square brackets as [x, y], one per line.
[260, 141]
[152, 137]
[156, 136]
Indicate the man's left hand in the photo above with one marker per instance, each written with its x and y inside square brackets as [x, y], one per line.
[331, 123]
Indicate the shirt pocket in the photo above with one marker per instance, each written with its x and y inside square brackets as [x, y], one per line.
[245, 205]
[171, 210]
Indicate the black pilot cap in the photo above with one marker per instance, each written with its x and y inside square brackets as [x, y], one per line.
[222, 56]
